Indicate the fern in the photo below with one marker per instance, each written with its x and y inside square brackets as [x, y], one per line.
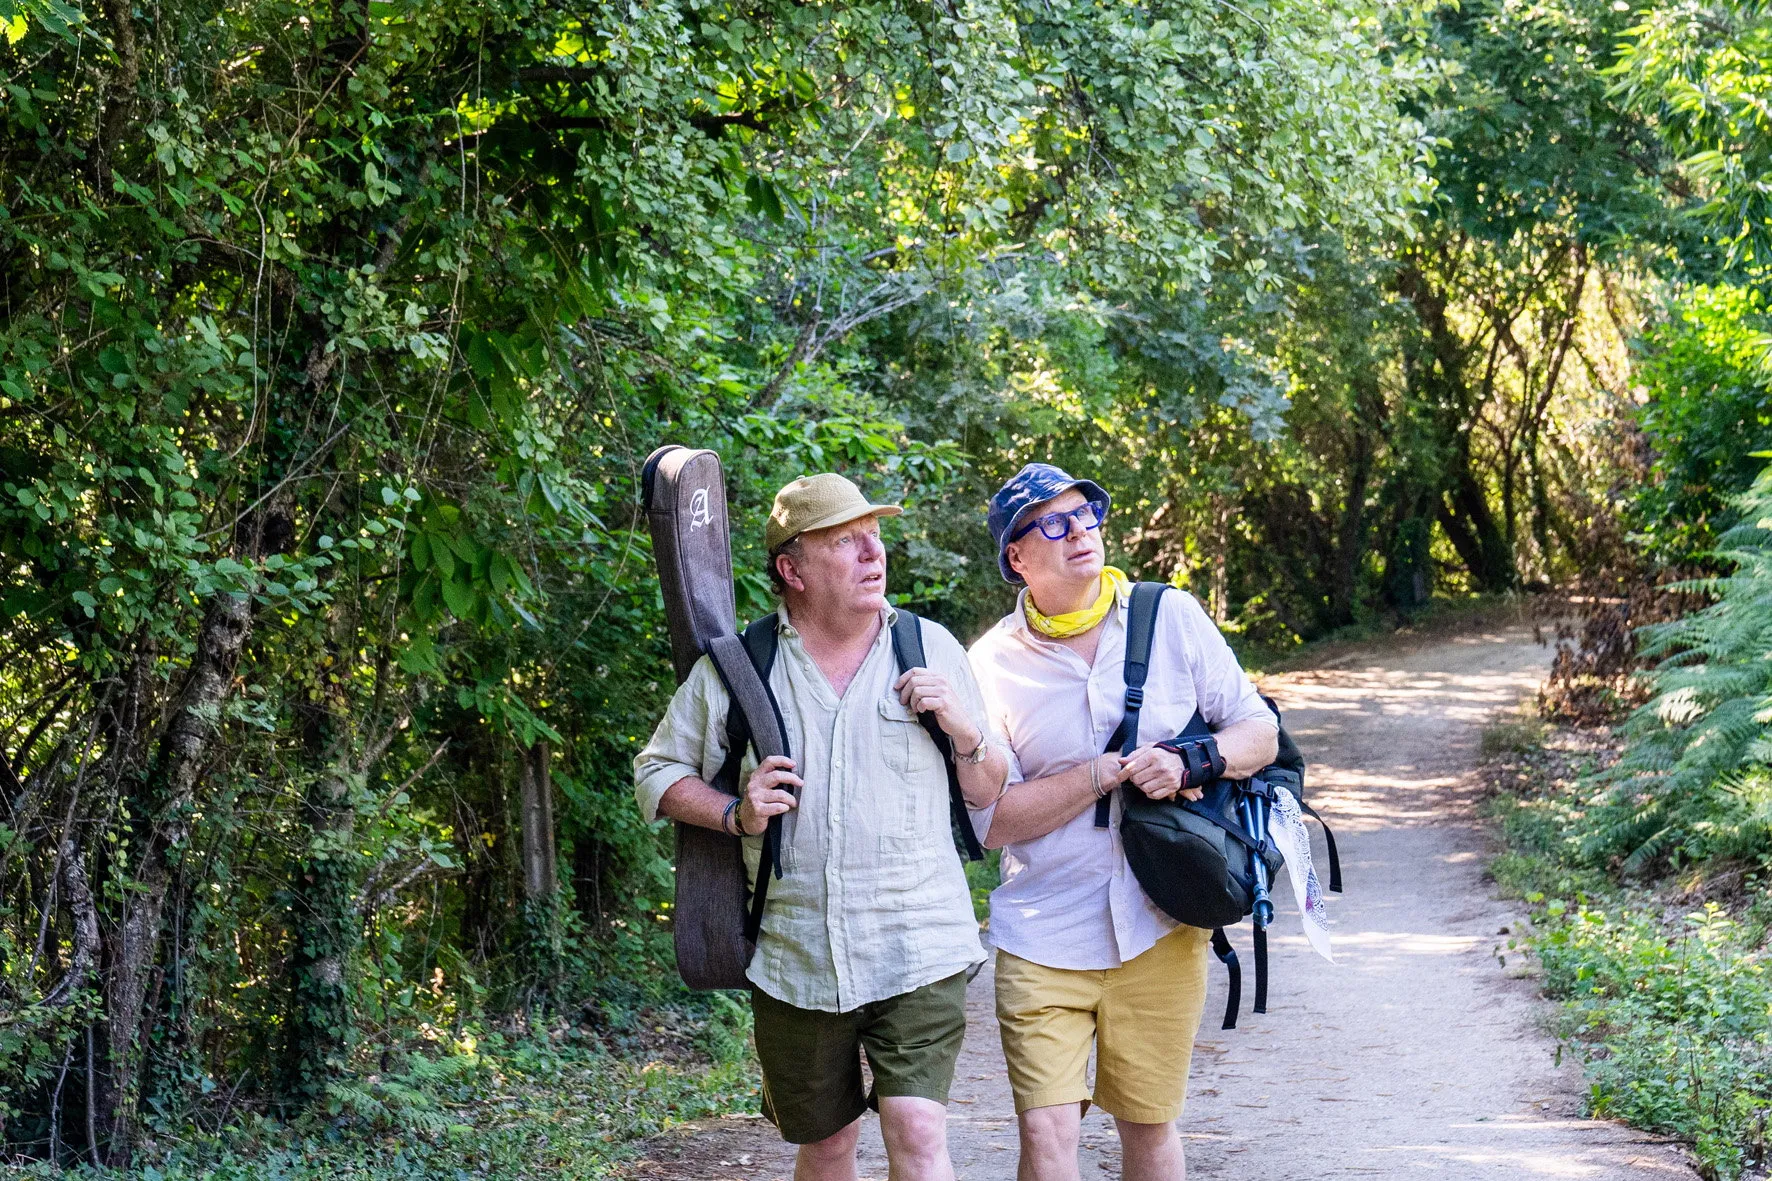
[409, 1102]
[1693, 781]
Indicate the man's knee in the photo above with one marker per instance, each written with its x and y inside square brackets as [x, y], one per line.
[1055, 1129]
[913, 1128]
[1146, 1135]
[833, 1149]
[1151, 1151]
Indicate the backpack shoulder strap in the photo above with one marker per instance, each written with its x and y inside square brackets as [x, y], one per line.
[907, 641]
[1227, 955]
[907, 649]
[1141, 626]
[761, 639]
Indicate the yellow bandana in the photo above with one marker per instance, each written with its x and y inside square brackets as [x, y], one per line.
[1114, 590]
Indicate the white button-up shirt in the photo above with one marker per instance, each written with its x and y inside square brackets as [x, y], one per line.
[1068, 899]
[872, 900]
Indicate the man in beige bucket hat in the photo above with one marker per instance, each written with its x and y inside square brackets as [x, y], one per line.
[868, 937]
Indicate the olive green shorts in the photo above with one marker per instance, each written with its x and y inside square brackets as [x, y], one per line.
[812, 1086]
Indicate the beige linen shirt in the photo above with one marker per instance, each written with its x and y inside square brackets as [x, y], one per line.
[872, 902]
[1068, 899]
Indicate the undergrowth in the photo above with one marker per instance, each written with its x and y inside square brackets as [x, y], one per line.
[1665, 992]
[567, 1099]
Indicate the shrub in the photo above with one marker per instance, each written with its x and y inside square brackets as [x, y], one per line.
[1677, 1030]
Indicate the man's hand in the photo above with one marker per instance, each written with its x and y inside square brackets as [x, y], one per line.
[1157, 773]
[926, 691]
[765, 794]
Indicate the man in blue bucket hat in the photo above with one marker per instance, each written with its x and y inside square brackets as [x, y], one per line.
[1034, 485]
[1084, 959]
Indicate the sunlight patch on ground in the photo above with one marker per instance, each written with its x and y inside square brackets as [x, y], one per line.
[1522, 1162]
[1406, 942]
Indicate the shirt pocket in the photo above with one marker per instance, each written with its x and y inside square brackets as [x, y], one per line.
[913, 783]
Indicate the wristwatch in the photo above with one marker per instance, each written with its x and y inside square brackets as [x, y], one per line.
[978, 752]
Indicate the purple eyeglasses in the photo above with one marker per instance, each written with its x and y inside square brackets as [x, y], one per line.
[1055, 526]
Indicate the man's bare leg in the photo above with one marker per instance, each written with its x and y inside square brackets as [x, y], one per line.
[830, 1159]
[1049, 1138]
[916, 1135]
[1151, 1152]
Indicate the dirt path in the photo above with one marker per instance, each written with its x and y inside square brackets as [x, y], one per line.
[1416, 1054]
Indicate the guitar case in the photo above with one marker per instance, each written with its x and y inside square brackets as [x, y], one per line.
[683, 492]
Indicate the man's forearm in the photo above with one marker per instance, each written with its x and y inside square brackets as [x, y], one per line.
[981, 781]
[1247, 747]
[1038, 806]
[692, 801]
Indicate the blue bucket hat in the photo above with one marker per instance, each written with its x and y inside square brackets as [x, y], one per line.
[1034, 484]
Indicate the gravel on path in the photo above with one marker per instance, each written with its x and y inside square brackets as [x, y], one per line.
[1419, 1053]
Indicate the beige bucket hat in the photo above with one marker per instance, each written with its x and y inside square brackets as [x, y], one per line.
[818, 502]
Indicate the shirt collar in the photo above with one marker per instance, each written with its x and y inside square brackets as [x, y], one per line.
[784, 627]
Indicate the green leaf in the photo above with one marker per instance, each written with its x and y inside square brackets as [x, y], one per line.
[440, 553]
[459, 597]
[418, 654]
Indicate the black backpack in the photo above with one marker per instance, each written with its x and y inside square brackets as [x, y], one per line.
[760, 642]
[1197, 859]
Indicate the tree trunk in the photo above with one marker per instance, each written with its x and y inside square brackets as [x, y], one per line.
[540, 874]
[1350, 535]
[172, 782]
[1470, 526]
[326, 934]
[326, 921]
[541, 885]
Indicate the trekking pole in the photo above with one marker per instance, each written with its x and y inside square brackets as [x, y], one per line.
[1252, 807]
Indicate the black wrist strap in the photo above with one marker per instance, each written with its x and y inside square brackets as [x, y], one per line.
[1201, 761]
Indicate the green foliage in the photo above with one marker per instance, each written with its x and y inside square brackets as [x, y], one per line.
[1667, 1003]
[1704, 70]
[484, 1105]
[1513, 735]
[332, 337]
[981, 878]
[1709, 409]
[1677, 1030]
[1693, 781]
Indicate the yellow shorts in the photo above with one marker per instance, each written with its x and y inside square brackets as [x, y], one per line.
[1141, 1017]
